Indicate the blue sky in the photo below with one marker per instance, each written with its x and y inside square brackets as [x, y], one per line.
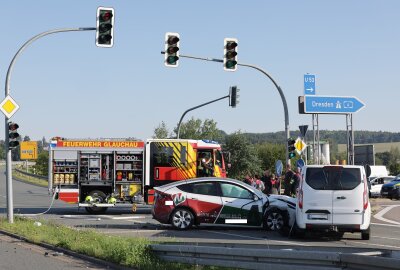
[66, 86]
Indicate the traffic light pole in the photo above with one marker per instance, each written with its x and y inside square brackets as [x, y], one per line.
[191, 109]
[285, 108]
[10, 206]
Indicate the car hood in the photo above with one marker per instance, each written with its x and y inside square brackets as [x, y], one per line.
[391, 184]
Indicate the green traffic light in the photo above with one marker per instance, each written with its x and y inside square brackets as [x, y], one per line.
[291, 155]
[172, 59]
[230, 64]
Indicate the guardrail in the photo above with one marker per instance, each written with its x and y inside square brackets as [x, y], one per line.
[249, 258]
[32, 175]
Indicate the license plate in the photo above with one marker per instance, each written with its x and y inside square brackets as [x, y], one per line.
[318, 216]
[385, 193]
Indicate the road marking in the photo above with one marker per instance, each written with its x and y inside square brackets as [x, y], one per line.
[389, 238]
[99, 217]
[387, 225]
[122, 218]
[378, 245]
[380, 214]
[257, 238]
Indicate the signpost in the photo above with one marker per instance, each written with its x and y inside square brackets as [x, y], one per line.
[331, 104]
[300, 145]
[28, 150]
[309, 84]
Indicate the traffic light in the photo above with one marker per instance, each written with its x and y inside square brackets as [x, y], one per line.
[171, 49]
[291, 148]
[105, 27]
[13, 135]
[233, 96]
[230, 54]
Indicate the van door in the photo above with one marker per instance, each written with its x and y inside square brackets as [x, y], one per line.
[348, 197]
[317, 197]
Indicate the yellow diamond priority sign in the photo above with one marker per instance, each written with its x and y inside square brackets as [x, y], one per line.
[8, 106]
[300, 145]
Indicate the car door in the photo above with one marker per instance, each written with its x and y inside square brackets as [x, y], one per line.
[204, 199]
[348, 197]
[240, 206]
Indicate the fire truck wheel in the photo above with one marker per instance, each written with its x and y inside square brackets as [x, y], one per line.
[98, 197]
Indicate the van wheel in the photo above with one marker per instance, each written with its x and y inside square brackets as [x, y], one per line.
[274, 220]
[182, 219]
[365, 234]
[98, 197]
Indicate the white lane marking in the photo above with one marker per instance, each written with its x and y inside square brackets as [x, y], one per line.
[388, 238]
[378, 245]
[101, 217]
[257, 238]
[380, 214]
[122, 218]
[387, 225]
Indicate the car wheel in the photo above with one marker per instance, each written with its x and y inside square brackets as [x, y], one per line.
[98, 197]
[182, 219]
[274, 220]
[365, 234]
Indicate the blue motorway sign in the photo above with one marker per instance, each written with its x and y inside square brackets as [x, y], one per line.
[309, 84]
[327, 104]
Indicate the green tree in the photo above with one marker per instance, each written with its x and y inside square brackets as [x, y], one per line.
[161, 132]
[198, 130]
[244, 157]
[269, 153]
[42, 164]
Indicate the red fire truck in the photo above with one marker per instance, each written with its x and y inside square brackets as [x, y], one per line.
[97, 174]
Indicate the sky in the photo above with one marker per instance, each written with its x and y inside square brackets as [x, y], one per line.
[66, 86]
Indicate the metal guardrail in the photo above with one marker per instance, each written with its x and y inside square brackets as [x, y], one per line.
[32, 175]
[249, 258]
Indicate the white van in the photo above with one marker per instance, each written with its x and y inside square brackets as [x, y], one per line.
[334, 198]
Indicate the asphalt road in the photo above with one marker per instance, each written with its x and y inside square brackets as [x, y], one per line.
[30, 200]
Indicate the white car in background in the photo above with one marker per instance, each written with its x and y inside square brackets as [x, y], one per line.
[377, 183]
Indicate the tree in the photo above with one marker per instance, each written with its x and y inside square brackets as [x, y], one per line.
[244, 158]
[198, 130]
[161, 132]
[269, 153]
[42, 164]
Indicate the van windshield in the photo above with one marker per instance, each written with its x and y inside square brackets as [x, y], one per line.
[333, 178]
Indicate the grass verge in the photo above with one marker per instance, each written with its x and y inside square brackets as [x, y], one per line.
[126, 251]
[30, 179]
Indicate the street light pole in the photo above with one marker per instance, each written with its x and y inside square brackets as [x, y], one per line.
[191, 109]
[285, 108]
[10, 206]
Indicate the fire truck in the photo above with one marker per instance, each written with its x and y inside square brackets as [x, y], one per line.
[97, 174]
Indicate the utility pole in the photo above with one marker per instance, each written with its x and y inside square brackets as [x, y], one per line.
[10, 206]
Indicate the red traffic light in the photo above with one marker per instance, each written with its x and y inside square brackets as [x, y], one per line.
[231, 45]
[106, 16]
[172, 40]
[13, 126]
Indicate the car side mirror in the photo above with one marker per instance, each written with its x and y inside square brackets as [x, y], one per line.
[255, 197]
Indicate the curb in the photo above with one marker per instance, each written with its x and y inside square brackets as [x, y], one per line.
[70, 253]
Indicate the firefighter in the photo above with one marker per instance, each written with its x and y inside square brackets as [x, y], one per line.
[205, 167]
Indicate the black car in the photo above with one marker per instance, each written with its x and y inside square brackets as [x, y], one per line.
[392, 189]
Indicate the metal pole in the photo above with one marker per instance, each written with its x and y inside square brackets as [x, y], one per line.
[191, 109]
[10, 206]
[285, 108]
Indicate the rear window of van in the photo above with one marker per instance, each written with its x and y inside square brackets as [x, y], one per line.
[333, 178]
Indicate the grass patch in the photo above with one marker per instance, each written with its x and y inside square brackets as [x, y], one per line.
[127, 251]
[30, 179]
